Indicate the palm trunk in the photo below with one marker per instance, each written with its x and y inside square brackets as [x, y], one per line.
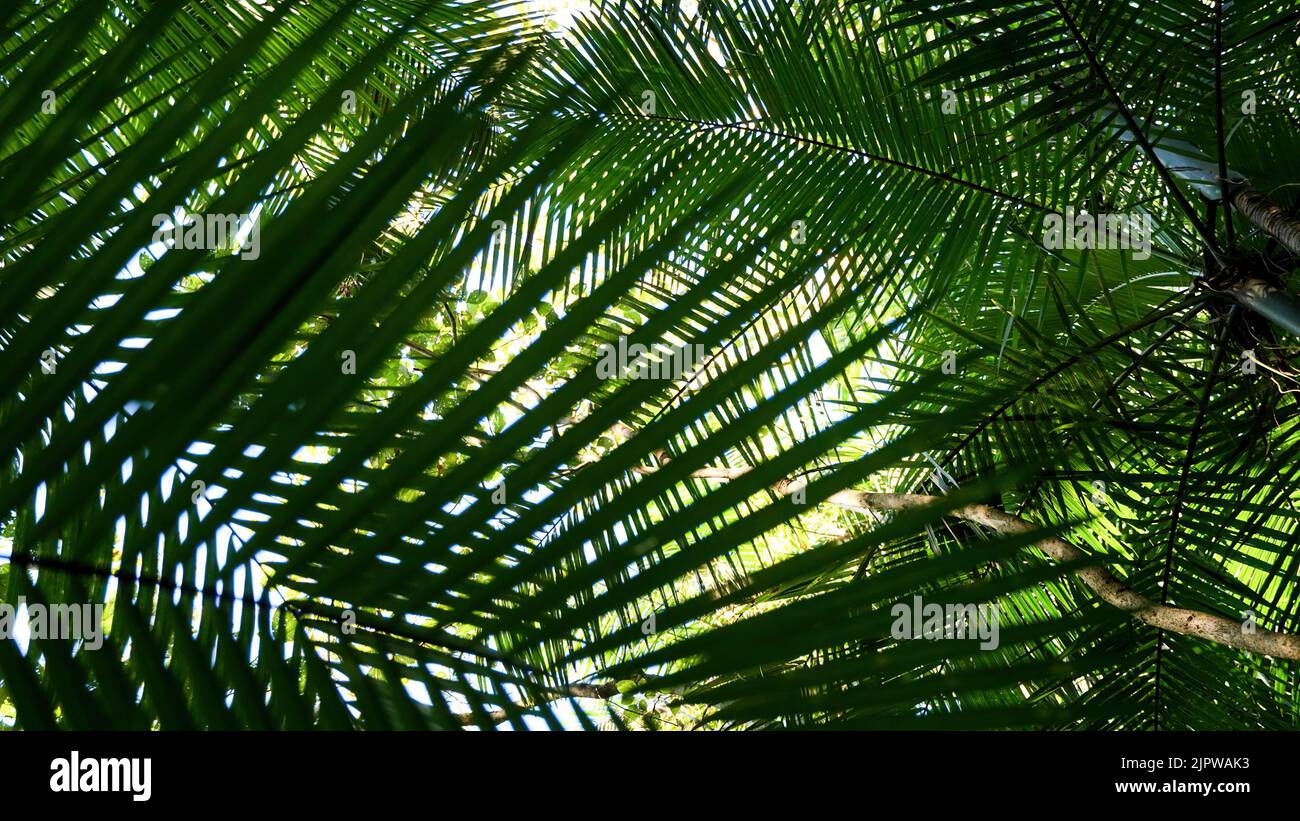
[1268, 217]
[1270, 302]
[1259, 296]
[1194, 167]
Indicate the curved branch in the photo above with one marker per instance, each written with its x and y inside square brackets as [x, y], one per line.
[1111, 589]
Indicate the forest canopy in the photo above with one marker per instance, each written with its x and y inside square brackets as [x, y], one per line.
[731, 364]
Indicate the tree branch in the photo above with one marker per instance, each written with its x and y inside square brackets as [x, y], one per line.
[1107, 586]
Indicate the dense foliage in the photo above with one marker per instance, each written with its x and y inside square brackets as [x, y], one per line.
[365, 464]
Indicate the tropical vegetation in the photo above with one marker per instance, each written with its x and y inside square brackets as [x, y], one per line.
[306, 311]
